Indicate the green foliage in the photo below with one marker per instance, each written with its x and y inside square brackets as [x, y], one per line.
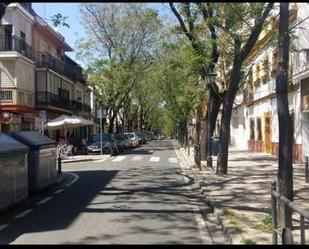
[247, 241]
[265, 225]
[59, 19]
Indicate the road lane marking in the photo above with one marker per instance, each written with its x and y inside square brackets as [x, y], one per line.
[137, 158]
[44, 200]
[119, 158]
[3, 226]
[23, 214]
[76, 177]
[59, 191]
[154, 159]
[172, 160]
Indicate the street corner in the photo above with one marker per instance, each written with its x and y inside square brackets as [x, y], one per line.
[66, 179]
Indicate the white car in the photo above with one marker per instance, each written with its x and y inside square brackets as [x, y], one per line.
[133, 139]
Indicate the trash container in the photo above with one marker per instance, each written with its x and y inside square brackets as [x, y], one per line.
[215, 145]
[42, 169]
[13, 171]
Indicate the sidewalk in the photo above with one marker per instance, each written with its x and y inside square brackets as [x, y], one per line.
[241, 199]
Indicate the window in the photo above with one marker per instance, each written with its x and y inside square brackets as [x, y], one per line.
[257, 82]
[265, 76]
[252, 133]
[307, 55]
[274, 63]
[20, 97]
[259, 129]
[6, 95]
[6, 37]
[29, 99]
[64, 93]
[22, 42]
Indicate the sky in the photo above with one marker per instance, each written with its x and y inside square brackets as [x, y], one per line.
[76, 30]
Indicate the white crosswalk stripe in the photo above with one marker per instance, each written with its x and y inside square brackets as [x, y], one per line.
[137, 158]
[154, 159]
[119, 158]
[172, 160]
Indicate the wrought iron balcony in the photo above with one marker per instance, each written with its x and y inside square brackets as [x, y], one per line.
[74, 73]
[46, 98]
[81, 109]
[14, 43]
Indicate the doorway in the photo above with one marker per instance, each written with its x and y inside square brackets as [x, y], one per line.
[267, 134]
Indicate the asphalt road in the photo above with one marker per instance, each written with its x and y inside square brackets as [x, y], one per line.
[142, 196]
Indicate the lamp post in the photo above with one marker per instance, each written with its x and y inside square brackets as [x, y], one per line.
[210, 79]
[102, 119]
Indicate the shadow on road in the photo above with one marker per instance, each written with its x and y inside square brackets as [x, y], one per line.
[59, 214]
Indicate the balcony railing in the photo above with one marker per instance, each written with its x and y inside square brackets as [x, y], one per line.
[80, 108]
[46, 98]
[44, 59]
[14, 43]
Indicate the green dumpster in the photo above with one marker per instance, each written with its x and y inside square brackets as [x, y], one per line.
[215, 145]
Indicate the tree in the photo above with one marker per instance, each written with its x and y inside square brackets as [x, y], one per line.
[243, 36]
[285, 167]
[205, 46]
[120, 38]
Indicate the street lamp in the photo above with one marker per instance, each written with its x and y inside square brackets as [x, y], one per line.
[102, 117]
[210, 80]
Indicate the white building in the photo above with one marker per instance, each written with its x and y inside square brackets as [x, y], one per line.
[254, 123]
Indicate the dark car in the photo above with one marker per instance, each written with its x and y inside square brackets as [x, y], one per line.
[142, 137]
[123, 141]
[109, 144]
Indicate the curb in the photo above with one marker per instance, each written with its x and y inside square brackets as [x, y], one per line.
[230, 233]
[81, 160]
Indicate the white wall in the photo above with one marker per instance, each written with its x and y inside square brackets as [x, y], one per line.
[239, 132]
[20, 19]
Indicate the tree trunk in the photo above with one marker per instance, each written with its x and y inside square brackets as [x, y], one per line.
[285, 167]
[222, 160]
[111, 123]
[203, 139]
[198, 125]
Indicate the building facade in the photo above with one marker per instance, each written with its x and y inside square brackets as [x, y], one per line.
[17, 88]
[39, 82]
[254, 123]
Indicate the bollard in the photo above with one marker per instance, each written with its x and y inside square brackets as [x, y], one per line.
[274, 214]
[306, 170]
[59, 166]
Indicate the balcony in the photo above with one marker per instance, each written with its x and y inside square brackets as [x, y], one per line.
[44, 59]
[81, 109]
[49, 99]
[74, 73]
[14, 43]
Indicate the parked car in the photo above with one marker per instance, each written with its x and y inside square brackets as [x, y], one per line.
[142, 137]
[132, 138]
[122, 141]
[109, 144]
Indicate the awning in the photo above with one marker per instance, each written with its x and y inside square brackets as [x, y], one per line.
[68, 122]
